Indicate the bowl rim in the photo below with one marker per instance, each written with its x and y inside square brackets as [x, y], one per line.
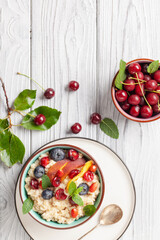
[79, 149]
[128, 116]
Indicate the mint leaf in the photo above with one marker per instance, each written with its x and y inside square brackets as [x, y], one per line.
[78, 190]
[51, 115]
[27, 205]
[46, 182]
[153, 67]
[121, 76]
[108, 126]
[25, 99]
[89, 210]
[77, 199]
[72, 188]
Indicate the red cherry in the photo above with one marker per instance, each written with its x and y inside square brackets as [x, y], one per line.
[134, 68]
[130, 85]
[72, 202]
[158, 90]
[156, 76]
[138, 75]
[34, 183]
[76, 128]
[95, 118]
[49, 93]
[88, 176]
[73, 85]
[74, 213]
[135, 110]
[139, 89]
[142, 101]
[144, 67]
[56, 181]
[40, 184]
[147, 77]
[73, 154]
[152, 98]
[146, 111]
[151, 85]
[60, 195]
[60, 173]
[134, 99]
[121, 95]
[125, 106]
[44, 161]
[156, 108]
[39, 119]
[74, 173]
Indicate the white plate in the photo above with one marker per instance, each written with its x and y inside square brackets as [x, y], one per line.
[119, 189]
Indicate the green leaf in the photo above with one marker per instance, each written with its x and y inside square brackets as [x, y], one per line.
[72, 188]
[89, 210]
[27, 205]
[77, 199]
[108, 126]
[25, 99]
[121, 76]
[51, 115]
[78, 190]
[3, 124]
[153, 67]
[46, 182]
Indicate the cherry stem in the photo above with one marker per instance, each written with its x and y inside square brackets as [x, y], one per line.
[5, 129]
[31, 79]
[137, 78]
[22, 112]
[130, 83]
[153, 91]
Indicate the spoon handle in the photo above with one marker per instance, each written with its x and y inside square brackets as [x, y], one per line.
[89, 231]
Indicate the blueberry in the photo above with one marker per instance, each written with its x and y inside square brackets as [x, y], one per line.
[47, 194]
[85, 188]
[39, 171]
[57, 154]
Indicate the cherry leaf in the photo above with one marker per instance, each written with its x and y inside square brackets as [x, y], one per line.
[109, 127]
[25, 99]
[153, 67]
[121, 76]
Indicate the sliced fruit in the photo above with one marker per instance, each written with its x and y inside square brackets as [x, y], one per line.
[93, 187]
[58, 165]
[82, 172]
[74, 212]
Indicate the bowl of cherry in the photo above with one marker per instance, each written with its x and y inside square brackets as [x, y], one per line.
[136, 90]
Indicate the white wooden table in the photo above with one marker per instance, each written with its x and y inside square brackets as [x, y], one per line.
[56, 41]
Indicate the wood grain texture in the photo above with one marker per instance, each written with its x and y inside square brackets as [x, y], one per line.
[82, 40]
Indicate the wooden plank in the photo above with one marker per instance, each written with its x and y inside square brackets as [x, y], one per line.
[14, 56]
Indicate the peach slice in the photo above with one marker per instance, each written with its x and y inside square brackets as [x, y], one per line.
[58, 165]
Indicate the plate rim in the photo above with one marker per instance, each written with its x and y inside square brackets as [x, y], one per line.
[93, 140]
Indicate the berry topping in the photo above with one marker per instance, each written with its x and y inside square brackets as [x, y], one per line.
[74, 173]
[60, 173]
[39, 171]
[85, 188]
[121, 95]
[134, 68]
[73, 85]
[95, 118]
[57, 154]
[135, 110]
[151, 85]
[156, 76]
[49, 93]
[34, 183]
[74, 213]
[56, 181]
[39, 119]
[152, 98]
[129, 85]
[88, 176]
[44, 161]
[72, 202]
[146, 111]
[134, 99]
[73, 154]
[76, 128]
[93, 168]
[40, 184]
[93, 187]
[47, 194]
[60, 195]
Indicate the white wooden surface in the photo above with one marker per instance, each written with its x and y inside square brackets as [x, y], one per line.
[82, 40]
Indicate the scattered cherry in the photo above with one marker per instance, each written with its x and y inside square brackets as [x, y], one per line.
[60, 173]
[134, 68]
[135, 110]
[49, 93]
[76, 128]
[152, 98]
[74, 173]
[73, 154]
[93, 168]
[139, 89]
[147, 77]
[34, 183]
[151, 85]
[121, 95]
[88, 176]
[44, 161]
[156, 76]
[146, 111]
[60, 195]
[39, 119]
[73, 85]
[74, 212]
[56, 181]
[134, 99]
[156, 108]
[95, 118]
[138, 75]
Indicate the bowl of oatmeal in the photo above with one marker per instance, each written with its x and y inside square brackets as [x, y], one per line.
[63, 185]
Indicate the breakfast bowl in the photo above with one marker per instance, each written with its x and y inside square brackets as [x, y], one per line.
[135, 90]
[64, 184]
